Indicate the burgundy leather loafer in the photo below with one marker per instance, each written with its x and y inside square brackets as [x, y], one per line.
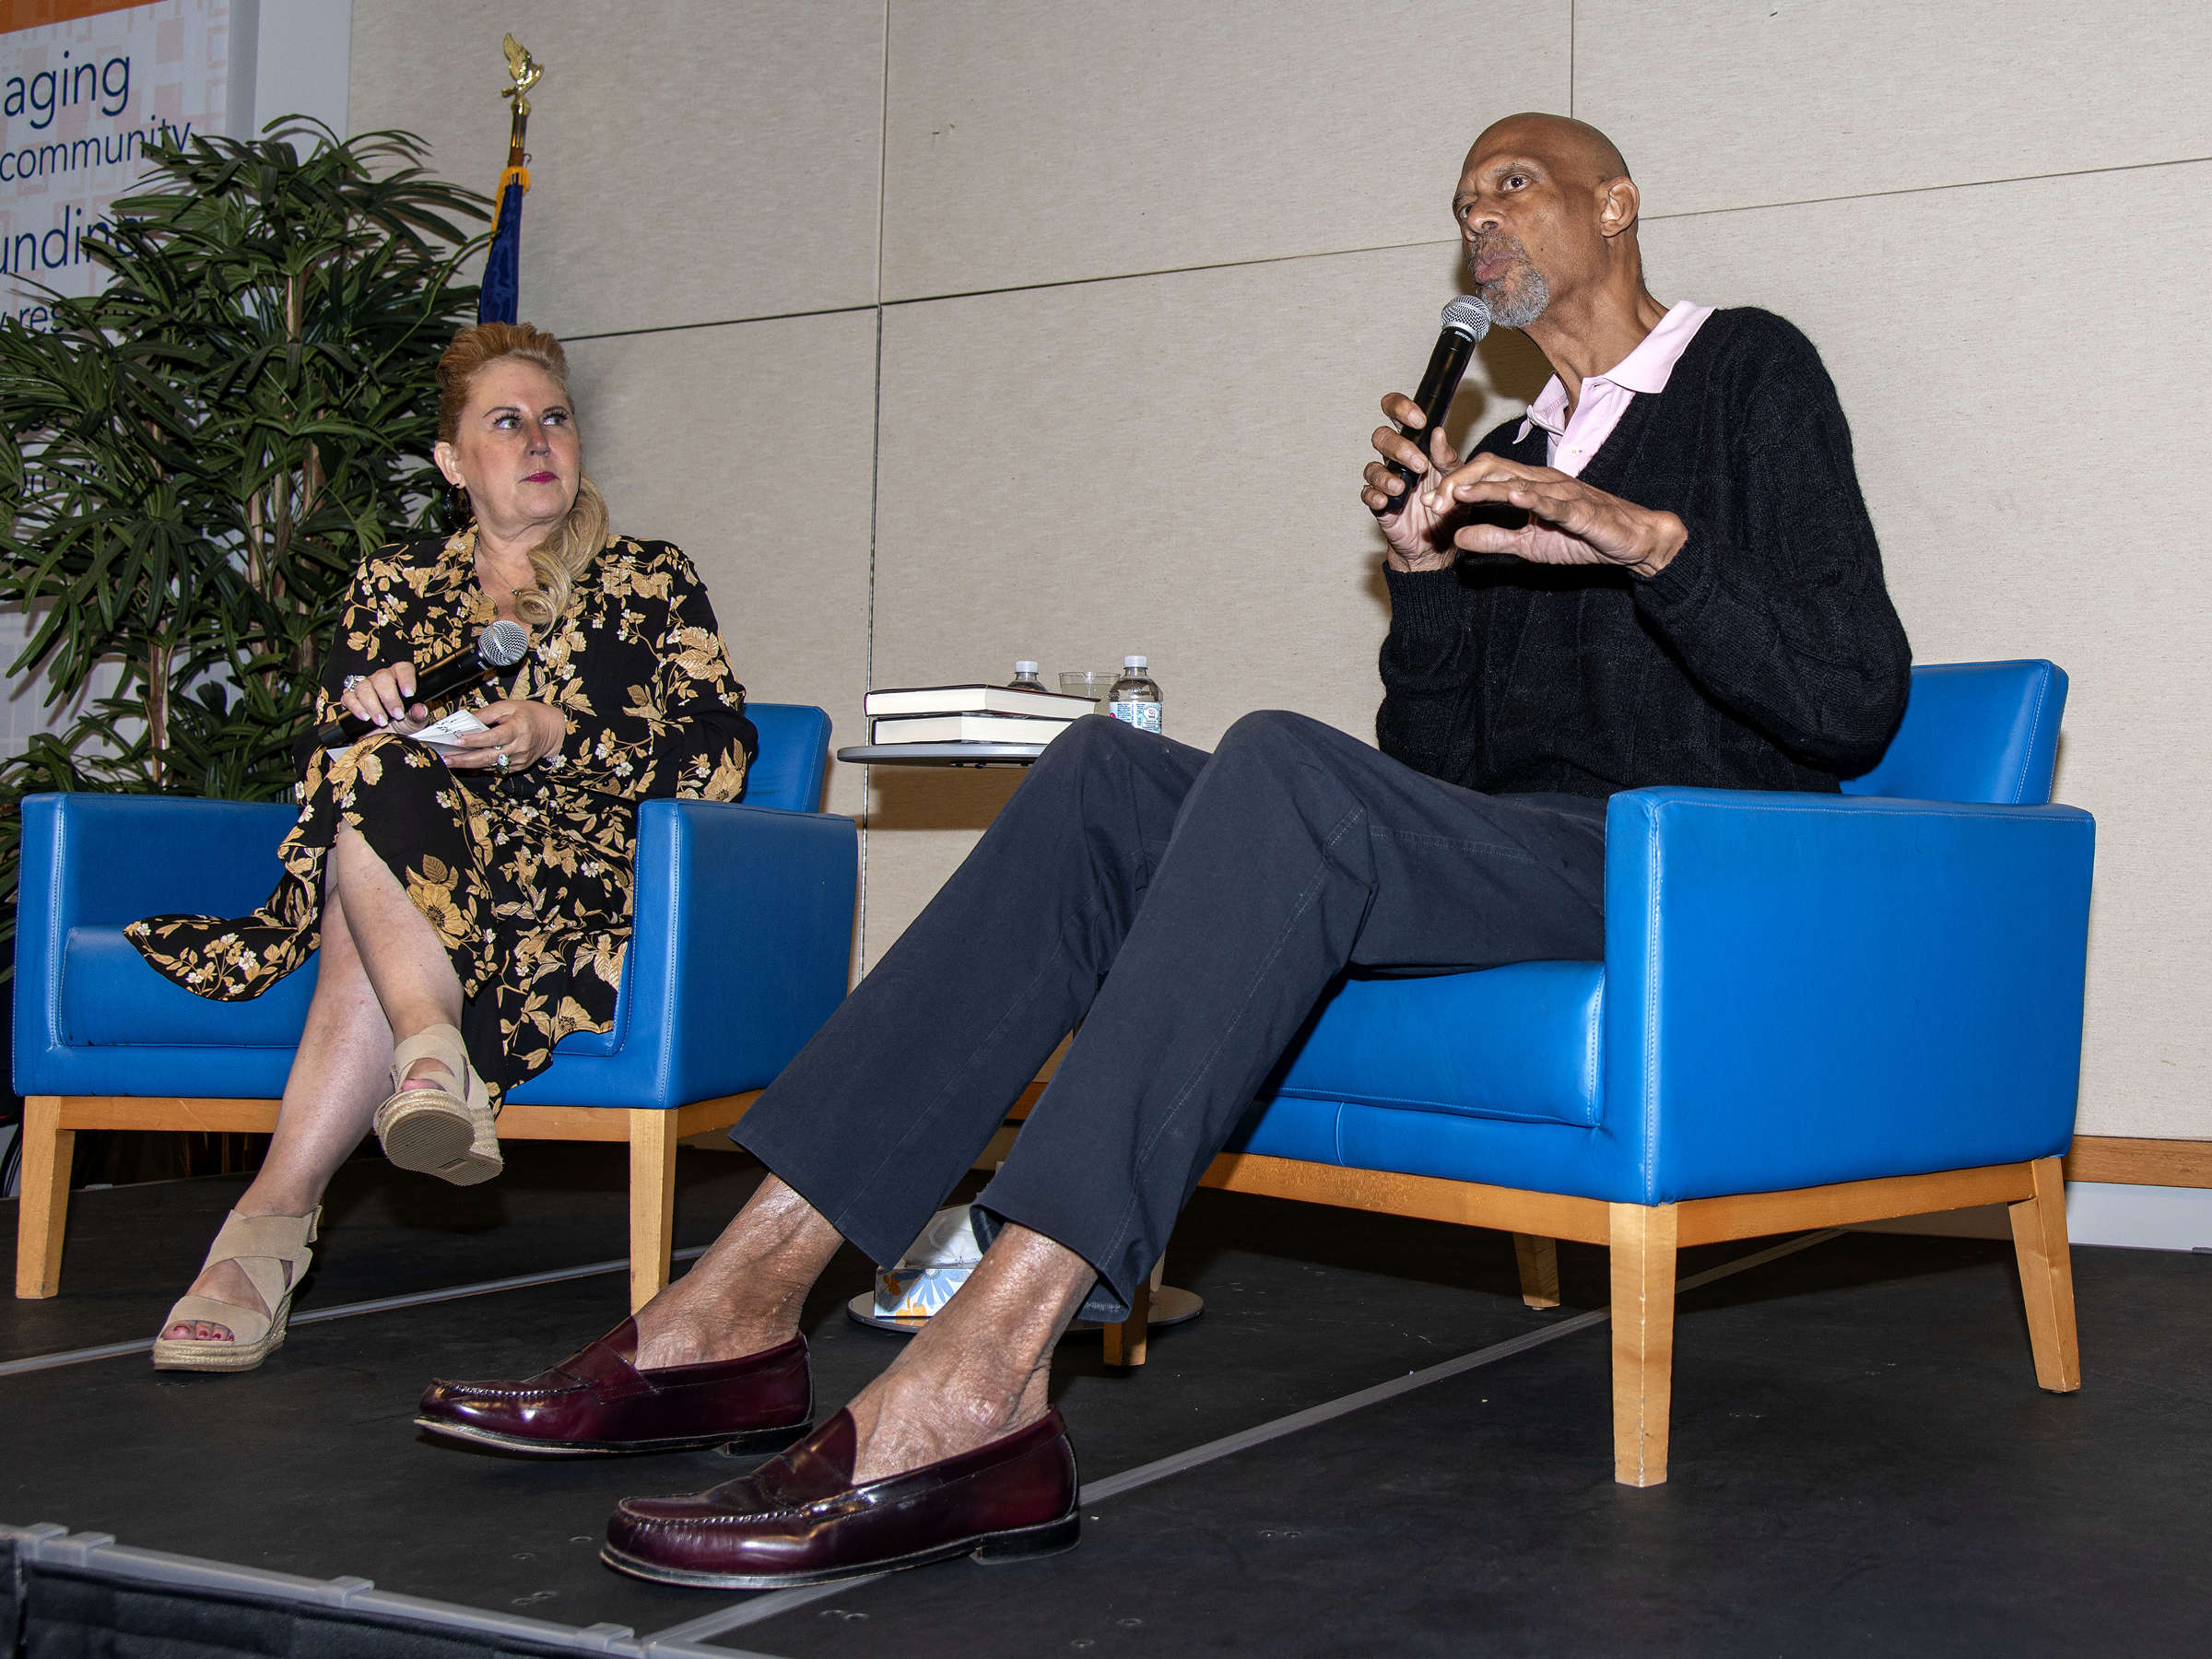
[598, 1401]
[798, 1519]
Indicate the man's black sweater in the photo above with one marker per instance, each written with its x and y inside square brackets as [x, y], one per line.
[1767, 655]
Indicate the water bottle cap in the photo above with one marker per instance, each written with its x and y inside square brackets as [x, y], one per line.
[1135, 662]
[1025, 667]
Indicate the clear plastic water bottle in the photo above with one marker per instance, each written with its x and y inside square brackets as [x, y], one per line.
[1025, 678]
[1136, 696]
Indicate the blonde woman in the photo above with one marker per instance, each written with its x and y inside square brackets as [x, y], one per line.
[471, 907]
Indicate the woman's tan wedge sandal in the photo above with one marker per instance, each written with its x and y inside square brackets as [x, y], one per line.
[272, 1251]
[433, 1127]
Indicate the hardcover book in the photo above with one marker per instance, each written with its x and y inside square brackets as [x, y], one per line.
[976, 700]
[970, 728]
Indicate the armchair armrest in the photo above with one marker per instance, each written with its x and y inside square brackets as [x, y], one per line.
[103, 860]
[1804, 989]
[742, 947]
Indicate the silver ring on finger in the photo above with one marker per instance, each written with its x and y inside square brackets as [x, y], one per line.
[499, 758]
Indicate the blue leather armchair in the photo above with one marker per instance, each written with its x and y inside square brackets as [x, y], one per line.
[742, 946]
[1813, 1010]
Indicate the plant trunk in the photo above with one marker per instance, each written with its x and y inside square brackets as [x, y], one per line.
[256, 566]
[157, 712]
[310, 464]
[281, 487]
[312, 481]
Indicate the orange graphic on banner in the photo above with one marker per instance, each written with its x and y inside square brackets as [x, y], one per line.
[37, 14]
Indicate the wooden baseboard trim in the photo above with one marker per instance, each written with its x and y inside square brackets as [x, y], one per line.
[2175, 1163]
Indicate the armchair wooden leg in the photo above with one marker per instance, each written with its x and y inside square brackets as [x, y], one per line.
[652, 1140]
[2038, 1240]
[1539, 1261]
[1126, 1342]
[1643, 1340]
[43, 1209]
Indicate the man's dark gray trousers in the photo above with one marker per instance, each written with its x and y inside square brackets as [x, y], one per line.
[1189, 910]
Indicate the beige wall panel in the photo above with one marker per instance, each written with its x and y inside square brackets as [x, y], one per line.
[1044, 143]
[922, 821]
[691, 161]
[1729, 104]
[698, 437]
[1166, 465]
[2031, 463]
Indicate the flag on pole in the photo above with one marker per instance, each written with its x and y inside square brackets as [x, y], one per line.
[500, 296]
[498, 299]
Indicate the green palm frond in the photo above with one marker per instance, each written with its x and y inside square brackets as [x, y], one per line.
[194, 460]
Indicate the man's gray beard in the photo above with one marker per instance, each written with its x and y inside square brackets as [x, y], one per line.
[1510, 308]
[1523, 307]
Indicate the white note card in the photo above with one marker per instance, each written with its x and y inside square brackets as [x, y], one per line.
[442, 735]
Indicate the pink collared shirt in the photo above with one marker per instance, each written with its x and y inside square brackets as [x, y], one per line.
[1605, 397]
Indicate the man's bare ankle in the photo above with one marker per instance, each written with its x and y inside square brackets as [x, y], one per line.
[681, 1346]
[671, 1334]
[905, 1423]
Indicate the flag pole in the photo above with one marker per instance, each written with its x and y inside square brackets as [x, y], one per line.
[499, 299]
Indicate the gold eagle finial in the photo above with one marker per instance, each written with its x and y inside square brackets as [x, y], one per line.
[524, 71]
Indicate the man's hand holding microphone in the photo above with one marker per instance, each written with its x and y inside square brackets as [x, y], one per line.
[1419, 496]
[1414, 526]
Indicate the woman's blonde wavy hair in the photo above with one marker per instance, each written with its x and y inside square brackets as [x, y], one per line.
[565, 555]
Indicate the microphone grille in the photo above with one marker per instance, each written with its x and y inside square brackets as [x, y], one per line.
[1467, 315]
[502, 643]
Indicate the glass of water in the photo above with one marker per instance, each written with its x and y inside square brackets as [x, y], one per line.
[1093, 683]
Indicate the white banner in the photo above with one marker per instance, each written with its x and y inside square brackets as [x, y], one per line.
[79, 102]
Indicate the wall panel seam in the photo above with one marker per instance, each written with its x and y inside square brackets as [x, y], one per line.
[1216, 265]
[1875, 195]
[789, 316]
[883, 151]
[1442, 242]
[883, 185]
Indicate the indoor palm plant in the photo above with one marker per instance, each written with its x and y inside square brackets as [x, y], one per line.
[194, 461]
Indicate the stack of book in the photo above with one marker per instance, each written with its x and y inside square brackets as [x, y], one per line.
[972, 714]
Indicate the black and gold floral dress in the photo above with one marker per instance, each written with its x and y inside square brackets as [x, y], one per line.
[525, 879]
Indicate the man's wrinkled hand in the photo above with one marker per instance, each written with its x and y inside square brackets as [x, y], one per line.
[1568, 523]
[1414, 530]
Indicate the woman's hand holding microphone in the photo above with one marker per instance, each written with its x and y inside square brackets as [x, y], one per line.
[516, 735]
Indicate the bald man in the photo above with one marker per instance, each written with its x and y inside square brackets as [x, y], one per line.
[1663, 575]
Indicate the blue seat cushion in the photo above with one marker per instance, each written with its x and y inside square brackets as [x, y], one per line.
[111, 998]
[1521, 1043]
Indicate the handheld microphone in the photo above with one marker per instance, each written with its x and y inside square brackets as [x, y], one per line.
[1465, 321]
[501, 645]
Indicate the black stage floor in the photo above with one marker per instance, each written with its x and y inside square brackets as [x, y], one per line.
[1861, 1460]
